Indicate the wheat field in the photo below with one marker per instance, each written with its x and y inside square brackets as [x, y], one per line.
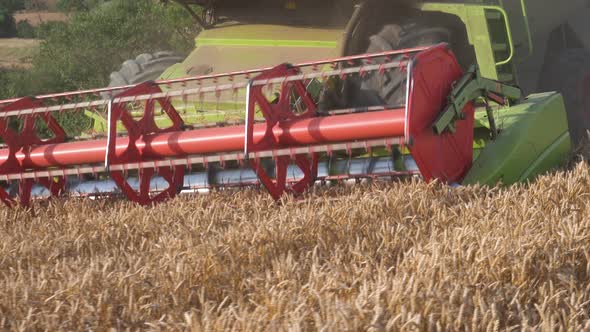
[401, 256]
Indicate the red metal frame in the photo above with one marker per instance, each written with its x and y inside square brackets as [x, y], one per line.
[174, 176]
[22, 140]
[136, 129]
[276, 114]
[207, 141]
[446, 157]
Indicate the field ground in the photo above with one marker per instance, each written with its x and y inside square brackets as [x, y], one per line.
[36, 18]
[15, 52]
[403, 256]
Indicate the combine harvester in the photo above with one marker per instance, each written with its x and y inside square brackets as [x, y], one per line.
[387, 113]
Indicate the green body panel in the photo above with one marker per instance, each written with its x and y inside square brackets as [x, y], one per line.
[474, 18]
[534, 138]
[242, 47]
[269, 35]
[239, 47]
[173, 72]
[266, 42]
[269, 32]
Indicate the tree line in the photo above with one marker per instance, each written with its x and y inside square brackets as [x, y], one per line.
[97, 38]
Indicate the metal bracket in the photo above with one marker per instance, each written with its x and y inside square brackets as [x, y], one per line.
[249, 120]
[109, 134]
[470, 88]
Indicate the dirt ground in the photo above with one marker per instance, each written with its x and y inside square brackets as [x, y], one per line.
[36, 18]
[16, 52]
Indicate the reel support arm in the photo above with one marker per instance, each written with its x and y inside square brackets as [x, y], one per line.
[470, 88]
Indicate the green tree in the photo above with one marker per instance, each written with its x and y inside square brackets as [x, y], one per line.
[69, 6]
[35, 4]
[24, 29]
[12, 5]
[4, 84]
[82, 53]
[7, 25]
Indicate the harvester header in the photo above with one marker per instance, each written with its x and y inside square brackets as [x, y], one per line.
[278, 135]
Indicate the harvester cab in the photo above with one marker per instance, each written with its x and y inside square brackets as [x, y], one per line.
[279, 96]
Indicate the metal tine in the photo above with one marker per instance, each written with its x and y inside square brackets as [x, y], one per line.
[349, 153]
[19, 115]
[341, 72]
[156, 172]
[235, 96]
[362, 73]
[202, 101]
[188, 171]
[79, 173]
[217, 98]
[167, 100]
[268, 88]
[185, 103]
[61, 110]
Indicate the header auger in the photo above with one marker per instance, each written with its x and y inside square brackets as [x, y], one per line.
[266, 127]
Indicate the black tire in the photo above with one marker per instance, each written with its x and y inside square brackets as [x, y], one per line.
[390, 88]
[144, 67]
[569, 73]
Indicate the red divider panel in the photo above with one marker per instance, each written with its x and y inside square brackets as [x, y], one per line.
[446, 157]
[23, 140]
[136, 129]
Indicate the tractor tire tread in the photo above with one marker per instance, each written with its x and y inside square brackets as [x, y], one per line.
[143, 68]
[389, 88]
[566, 73]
